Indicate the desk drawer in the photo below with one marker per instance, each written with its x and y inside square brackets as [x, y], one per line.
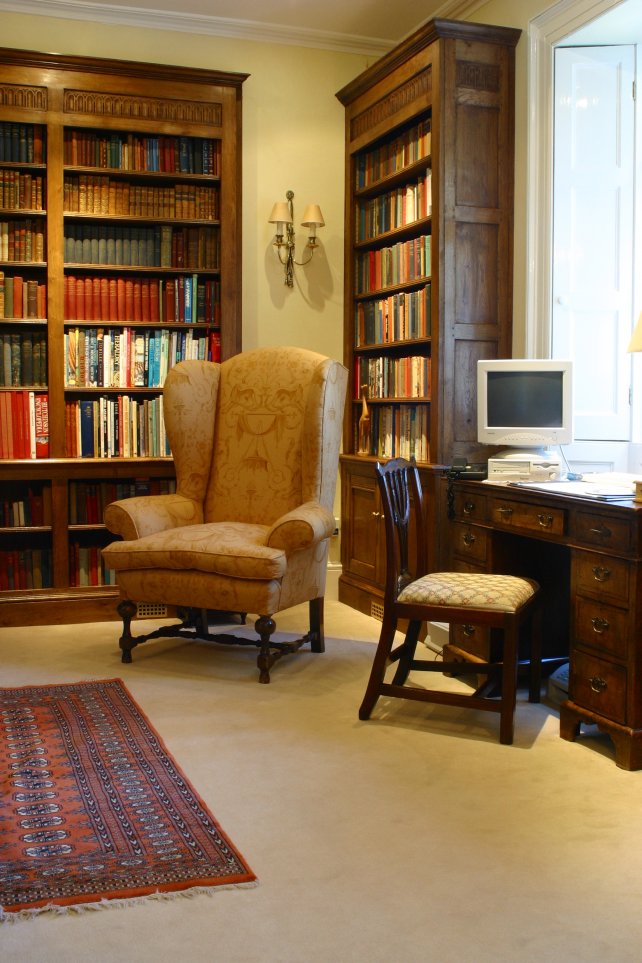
[518, 517]
[599, 686]
[601, 576]
[600, 531]
[602, 627]
[470, 506]
[469, 542]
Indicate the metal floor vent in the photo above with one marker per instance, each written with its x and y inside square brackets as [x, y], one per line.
[376, 610]
[151, 610]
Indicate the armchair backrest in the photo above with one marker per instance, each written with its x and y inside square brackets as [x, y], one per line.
[264, 433]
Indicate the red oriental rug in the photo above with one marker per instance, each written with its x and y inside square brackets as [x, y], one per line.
[93, 807]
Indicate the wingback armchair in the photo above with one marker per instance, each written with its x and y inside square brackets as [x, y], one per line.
[255, 442]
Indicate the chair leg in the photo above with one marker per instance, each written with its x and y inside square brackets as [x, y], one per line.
[386, 639]
[509, 686]
[407, 654]
[265, 626]
[535, 676]
[317, 631]
[127, 610]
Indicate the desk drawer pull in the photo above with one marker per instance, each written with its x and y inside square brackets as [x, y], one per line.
[469, 539]
[505, 512]
[469, 630]
[601, 531]
[597, 683]
[469, 508]
[599, 625]
[545, 521]
[600, 573]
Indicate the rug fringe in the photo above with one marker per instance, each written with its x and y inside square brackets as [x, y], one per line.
[6, 916]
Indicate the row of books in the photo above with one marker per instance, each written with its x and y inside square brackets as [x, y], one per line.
[22, 240]
[86, 567]
[26, 568]
[185, 299]
[403, 262]
[24, 424]
[98, 194]
[388, 158]
[400, 317]
[132, 357]
[23, 359]
[22, 143]
[21, 191]
[394, 209]
[399, 431]
[20, 509]
[385, 377]
[142, 152]
[22, 297]
[122, 427]
[193, 248]
[88, 500]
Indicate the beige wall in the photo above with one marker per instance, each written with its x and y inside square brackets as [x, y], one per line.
[293, 139]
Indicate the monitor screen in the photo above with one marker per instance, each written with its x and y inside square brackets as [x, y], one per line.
[524, 403]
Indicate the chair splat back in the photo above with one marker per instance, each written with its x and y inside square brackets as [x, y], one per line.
[401, 497]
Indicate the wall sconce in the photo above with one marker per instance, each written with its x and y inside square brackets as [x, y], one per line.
[283, 216]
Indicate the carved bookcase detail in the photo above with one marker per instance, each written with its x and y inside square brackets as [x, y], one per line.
[120, 240]
[428, 261]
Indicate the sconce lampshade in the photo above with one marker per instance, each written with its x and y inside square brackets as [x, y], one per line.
[635, 344]
[280, 214]
[312, 216]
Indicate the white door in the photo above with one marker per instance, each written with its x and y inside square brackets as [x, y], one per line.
[593, 225]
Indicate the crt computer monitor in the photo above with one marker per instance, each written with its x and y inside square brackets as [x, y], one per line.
[524, 404]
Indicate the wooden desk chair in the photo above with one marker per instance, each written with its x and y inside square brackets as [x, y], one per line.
[502, 602]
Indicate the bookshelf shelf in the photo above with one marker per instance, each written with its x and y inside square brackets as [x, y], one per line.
[428, 253]
[129, 210]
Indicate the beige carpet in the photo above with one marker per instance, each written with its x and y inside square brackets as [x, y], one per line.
[411, 838]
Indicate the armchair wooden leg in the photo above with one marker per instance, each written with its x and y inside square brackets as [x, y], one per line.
[509, 686]
[317, 631]
[127, 610]
[407, 653]
[265, 626]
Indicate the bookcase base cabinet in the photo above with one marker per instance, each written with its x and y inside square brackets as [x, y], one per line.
[363, 548]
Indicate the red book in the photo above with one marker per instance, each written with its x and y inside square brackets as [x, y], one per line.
[70, 297]
[215, 346]
[170, 313]
[129, 301]
[80, 299]
[95, 299]
[154, 306]
[145, 306]
[42, 300]
[5, 424]
[113, 300]
[17, 296]
[121, 301]
[18, 425]
[104, 299]
[89, 299]
[138, 299]
[180, 316]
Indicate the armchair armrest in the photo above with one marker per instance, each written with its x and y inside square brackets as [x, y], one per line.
[142, 515]
[306, 525]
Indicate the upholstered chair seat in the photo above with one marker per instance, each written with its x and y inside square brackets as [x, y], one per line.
[255, 442]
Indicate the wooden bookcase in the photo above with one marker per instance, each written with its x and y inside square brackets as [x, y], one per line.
[120, 254]
[428, 264]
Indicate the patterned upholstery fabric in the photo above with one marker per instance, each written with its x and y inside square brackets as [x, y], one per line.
[256, 444]
[504, 593]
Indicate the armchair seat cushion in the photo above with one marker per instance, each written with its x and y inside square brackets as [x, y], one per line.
[233, 549]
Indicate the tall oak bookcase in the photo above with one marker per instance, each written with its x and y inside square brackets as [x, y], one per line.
[120, 254]
[428, 266]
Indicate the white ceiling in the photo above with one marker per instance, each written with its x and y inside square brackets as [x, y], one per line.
[360, 26]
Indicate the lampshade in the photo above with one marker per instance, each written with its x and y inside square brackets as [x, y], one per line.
[280, 213]
[635, 344]
[312, 215]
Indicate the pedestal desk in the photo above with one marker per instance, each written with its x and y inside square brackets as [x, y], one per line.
[587, 555]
